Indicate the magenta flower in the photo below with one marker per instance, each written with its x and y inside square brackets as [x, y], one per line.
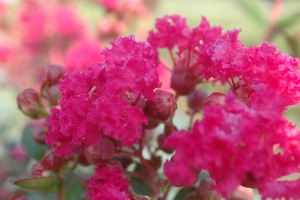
[107, 184]
[234, 143]
[106, 100]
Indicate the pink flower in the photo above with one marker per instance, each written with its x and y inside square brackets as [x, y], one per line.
[83, 54]
[171, 31]
[132, 66]
[109, 184]
[265, 64]
[204, 35]
[235, 143]
[223, 59]
[108, 95]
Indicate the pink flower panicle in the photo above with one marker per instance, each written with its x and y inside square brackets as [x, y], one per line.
[108, 94]
[133, 66]
[109, 184]
[236, 138]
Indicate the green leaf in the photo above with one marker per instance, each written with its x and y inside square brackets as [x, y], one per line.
[140, 186]
[33, 149]
[44, 184]
[252, 10]
[73, 187]
[183, 192]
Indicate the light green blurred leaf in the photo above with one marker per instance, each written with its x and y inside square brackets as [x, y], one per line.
[73, 187]
[45, 184]
[33, 149]
[183, 192]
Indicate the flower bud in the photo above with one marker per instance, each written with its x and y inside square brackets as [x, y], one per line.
[215, 99]
[49, 88]
[53, 162]
[37, 170]
[196, 100]
[29, 102]
[53, 74]
[100, 153]
[152, 123]
[185, 78]
[162, 107]
[52, 94]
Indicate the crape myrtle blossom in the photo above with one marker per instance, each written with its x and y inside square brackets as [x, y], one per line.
[108, 95]
[109, 183]
[108, 109]
[204, 52]
[237, 139]
[235, 143]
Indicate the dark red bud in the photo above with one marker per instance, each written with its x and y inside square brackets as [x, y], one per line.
[53, 74]
[101, 153]
[196, 100]
[162, 107]
[29, 102]
[51, 93]
[37, 170]
[152, 123]
[53, 162]
[215, 99]
[184, 81]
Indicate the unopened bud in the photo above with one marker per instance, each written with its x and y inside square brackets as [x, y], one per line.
[37, 170]
[53, 74]
[215, 99]
[196, 100]
[100, 153]
[162, 107]
[152, 123]
[53, 162]
[49, 88]
[184, 80]
[52, 94]
[29, 102]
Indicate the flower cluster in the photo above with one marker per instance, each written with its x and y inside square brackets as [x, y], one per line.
[108, 95]
[243, 136]
[105, 115]
[109, 183]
